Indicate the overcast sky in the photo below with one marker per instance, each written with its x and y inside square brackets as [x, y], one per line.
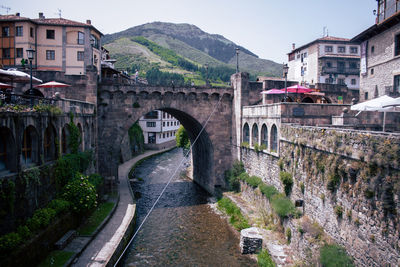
[265, 27]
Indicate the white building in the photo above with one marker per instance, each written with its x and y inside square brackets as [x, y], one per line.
[329, 60]
[159, 129]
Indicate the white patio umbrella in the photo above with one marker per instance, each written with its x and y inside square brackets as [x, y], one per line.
[381, 104]
[18, 76]
[395, 103]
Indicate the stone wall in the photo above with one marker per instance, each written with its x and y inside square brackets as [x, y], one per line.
[351, 186]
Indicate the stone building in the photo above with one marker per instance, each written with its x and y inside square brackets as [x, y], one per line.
[329, 60]
[60, 44]
[159, 129]
[380, 53]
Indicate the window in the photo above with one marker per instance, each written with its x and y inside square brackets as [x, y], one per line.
[19, 31]
[95, 41]
[366, 95]
[264, 135]
[305, 54]
[396, 84]
[31, 32]
[29, 142]
[81, 38]
[328, 80]
[354, 49]
[397, 45]
[167, 123]
[80, 56]
[298, 56]
[152, 138]
[341, 81]
[329, 64]
[6, 53]
[50, 55]
[341, 65]
[372, 71]
[151, 124]
[5, 31]
[163, 135]
[353, 81]
[50, 34]
[20, 52]
[372, 49]
[353, 65]
[151, 115]
[246, 131]
[341, 49]
[49, 144]
[274, 139]
[163, 123]
[328, 48]
[254, 136]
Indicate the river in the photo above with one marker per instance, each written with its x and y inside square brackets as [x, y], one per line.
[182, 230]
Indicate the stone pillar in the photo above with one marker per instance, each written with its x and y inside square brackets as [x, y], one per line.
[240, 83]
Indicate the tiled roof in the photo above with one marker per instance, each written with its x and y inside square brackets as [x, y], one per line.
[11, 17]
[332, 38]
[323, 39]
[59, 21]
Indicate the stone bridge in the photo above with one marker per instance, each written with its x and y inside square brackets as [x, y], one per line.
[120, 106]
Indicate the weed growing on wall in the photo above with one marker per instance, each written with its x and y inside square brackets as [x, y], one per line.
[333, 256]
[287, 181]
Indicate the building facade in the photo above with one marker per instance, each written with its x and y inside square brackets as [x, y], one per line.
[159, 129]
[328, 60]
[380, 53]
[60, 44]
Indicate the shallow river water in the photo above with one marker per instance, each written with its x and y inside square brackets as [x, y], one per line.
[182, 230]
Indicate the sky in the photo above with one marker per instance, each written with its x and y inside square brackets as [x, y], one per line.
[265, 27]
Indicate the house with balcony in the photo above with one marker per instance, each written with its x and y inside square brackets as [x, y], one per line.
[159, 129]
[327, 60]
[380, 53]
[60, 44]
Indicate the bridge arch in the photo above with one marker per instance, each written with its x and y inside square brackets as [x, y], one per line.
[211, 155]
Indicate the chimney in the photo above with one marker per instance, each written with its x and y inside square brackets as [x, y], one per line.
[17, 14]
[293, 46]
[41, 16]
[88, 21]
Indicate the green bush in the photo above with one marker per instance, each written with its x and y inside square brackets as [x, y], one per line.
[245, 144]
[264, 259]
[282, 205]
[41, 219]
[287, 181]
[232, 176]
[9, 242]
[302, 187]
[268, 190]
[97, 180]
[339, 211]
[334, 255]
[81, 194]
[288, 235]
[59, 205]
[254, 181]
[24, 232]
[182, 138]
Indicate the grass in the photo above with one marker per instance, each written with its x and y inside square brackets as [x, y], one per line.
[56, 258]
[236, 218]
[96, 218]
[282, 205]
[264, 259]
[334, 255]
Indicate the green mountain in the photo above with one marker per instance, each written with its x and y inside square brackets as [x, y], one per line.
[186, 41]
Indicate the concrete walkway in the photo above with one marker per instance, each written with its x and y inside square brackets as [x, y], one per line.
[102, 247]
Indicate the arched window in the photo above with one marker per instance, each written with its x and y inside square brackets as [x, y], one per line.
[8, 160]
[64, 140]
[307, 100]
[246, 133]
[49, 143]
[86, 137]
[254, 134]
[264, 136]
[274, 139]
[81, 137]
[29, 151]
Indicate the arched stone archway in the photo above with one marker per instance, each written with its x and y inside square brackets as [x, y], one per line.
[120, 108]
[254, 134]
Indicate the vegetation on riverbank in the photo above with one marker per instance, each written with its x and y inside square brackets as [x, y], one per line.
[236, 218]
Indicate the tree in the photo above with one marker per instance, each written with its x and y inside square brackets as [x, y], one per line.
[182, 138]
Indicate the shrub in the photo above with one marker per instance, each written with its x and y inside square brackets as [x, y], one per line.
[302, 187]
[288, 235]
[254, 181]
[182, 138]
[263, 147]
[264, 259]
[97, 180]
[287, 181]
[244, 176]
[9, 242]
[59, 205]
[236, 217]
[232, 176]
[245, 144]
[268, 190]
[81, 194]
[24, 232]
[333, 181]
[42, 218]
[282, 205]
[334, 255]
[339, 211]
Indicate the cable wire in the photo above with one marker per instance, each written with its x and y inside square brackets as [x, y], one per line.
[169, 181]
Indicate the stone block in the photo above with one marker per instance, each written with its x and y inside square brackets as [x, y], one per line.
[250, 240]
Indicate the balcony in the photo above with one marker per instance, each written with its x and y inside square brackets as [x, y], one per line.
[340, 70]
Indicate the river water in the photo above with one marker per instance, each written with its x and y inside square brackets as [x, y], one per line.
[182, 230]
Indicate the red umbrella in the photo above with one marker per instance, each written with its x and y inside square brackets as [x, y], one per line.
[5, 86]
[53, 84]
[298, 89]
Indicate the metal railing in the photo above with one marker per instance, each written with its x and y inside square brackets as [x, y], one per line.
[338, 70]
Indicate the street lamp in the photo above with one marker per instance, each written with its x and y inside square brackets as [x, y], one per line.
[237, 60]
[30, 53]
[285, 72]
